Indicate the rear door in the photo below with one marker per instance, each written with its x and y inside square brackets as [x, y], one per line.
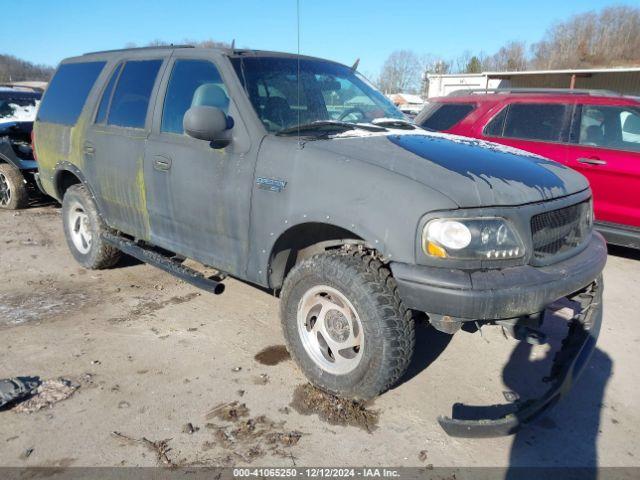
[606, 149]
[541, 128]
[114, 144]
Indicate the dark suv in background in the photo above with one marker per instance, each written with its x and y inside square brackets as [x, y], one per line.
[17, 165]
[594, 132]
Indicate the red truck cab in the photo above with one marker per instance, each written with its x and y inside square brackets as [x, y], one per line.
[594, 132]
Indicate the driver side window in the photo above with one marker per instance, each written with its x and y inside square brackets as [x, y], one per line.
[192, 83]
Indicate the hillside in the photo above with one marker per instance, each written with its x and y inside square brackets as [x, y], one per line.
[15, 70]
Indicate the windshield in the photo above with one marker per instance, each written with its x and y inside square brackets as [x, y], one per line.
[16, 106]
[328, 92]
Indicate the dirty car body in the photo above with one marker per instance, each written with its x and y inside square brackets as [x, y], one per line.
[275, 159]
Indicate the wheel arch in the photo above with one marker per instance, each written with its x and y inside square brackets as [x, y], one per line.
[302, 241]
[66, 175]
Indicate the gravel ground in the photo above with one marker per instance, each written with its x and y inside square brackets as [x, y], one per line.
[169, 375]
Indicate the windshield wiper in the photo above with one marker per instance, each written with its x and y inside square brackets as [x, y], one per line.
[394, 123]
[324, 125]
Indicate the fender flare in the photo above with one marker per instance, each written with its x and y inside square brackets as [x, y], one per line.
[65, 166]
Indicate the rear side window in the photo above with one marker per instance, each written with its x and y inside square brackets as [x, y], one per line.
[130, 99]
[101, 116]
[193, 82]
[543, 122]
[68, 92]
[443, 116]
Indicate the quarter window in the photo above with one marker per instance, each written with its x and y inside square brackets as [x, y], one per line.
[542, 122]
[101, 116]
[131, 97]
[193, 82]
[68, 92]
[443, 116]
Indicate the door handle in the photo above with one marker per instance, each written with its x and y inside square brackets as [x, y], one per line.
[161, 163]
[89, 148]
[592, 161]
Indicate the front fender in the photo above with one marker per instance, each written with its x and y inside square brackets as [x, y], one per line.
[376, 204]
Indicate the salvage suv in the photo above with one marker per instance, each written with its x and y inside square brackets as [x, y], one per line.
[295, 174]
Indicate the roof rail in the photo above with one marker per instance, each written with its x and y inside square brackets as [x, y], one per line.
[566, 91]
[135, 49]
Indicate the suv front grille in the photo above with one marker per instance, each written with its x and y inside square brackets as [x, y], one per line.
[560, 230]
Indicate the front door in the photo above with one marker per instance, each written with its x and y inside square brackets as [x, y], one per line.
[606, 150]
[114, 145]
[198, 196]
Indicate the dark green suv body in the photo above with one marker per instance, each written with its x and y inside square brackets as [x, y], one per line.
[295, 174]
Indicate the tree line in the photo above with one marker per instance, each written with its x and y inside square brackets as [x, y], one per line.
[607, 38]
[13, 69]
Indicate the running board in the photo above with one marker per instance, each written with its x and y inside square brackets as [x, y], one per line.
[163, 262]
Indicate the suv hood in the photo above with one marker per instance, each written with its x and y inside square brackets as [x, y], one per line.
[470, 172]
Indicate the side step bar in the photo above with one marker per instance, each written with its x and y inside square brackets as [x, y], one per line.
[163, 262]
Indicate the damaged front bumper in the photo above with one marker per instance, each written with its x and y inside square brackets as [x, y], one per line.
[569, 361]
[512, 297]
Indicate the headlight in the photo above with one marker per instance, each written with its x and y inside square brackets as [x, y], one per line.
[471, 239]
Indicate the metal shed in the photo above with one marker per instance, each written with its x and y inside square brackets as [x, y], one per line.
[622, 80]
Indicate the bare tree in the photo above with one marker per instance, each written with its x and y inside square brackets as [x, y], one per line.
[462, 61]
[610, 37]
[511, 57]
[210, 43]
[400, 72]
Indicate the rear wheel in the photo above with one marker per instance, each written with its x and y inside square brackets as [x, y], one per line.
[13, 188]
[83, 229]
[345, 324]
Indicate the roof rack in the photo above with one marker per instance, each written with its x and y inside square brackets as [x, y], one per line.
[134, 49]
[566, 91]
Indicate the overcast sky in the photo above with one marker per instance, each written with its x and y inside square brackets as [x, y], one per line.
[46, 31]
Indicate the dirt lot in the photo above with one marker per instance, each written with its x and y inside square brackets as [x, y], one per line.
[170, 375]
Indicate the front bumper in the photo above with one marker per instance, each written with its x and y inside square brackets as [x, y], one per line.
[568, 363]
[498, 294]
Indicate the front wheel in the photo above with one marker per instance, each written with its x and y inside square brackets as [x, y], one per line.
[345, 324]
[13, 188]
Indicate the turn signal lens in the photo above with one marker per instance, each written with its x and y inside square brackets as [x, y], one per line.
[436, 251]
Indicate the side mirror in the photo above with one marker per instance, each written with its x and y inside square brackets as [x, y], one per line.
[207, 123]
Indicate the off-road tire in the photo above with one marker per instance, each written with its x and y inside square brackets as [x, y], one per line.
[389, 334]
[19, 196]
[100, 254]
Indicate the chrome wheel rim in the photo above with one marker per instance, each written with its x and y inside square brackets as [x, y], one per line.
[5, 191]
[330, 330]
[80, 228]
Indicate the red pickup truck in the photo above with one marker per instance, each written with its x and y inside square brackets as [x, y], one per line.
[594, 132]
